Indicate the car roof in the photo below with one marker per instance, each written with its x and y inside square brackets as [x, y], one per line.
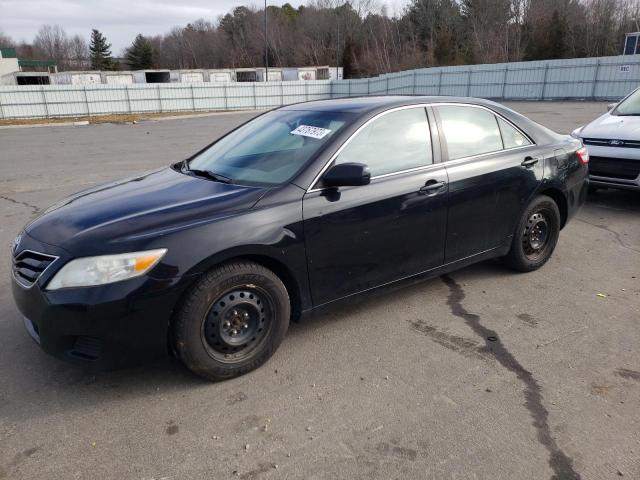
[366, 107]
[370, 104]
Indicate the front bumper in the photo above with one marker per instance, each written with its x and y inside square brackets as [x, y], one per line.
[614, 167]
[106, 326]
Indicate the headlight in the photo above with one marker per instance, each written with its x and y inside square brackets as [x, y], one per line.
[576, 132]
[90, 271]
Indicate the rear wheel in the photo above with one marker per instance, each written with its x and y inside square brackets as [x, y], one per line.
[232, 321]
[536, 235]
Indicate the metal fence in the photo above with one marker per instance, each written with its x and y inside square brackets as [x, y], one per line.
[604, 78]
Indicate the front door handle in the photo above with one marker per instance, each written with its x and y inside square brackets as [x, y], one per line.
[529, 162]
[432, 187]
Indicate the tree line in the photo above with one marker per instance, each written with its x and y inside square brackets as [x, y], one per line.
[361, 36]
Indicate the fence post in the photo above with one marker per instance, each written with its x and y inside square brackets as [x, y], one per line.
[281, 93]
[255, 98]
[504, 80]
[86, 101]
[159, 98]
[470, 72]
[331, 90]
[306, 90]
[415, 75]
[595, 81]
[1, 109]
[44, 101]
[387, 86]
[544, 81]
[193, 98]
[440, 81]
[126, 90]
[224, 94]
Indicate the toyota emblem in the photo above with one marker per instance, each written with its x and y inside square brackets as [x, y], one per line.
[16, 243]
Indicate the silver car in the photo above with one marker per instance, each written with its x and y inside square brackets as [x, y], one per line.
[613, 142]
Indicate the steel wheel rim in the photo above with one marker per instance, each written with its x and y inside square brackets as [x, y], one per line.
[536, 234]
[237, 323]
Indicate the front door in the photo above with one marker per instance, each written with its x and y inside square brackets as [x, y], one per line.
[358, 238]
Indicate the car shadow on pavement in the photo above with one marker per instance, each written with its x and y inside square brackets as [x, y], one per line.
[624, 200]
[39, 385]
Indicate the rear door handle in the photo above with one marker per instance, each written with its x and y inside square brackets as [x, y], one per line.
[432, 187]
[529, 162]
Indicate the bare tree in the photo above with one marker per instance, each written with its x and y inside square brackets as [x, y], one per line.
[6, 41]
[78, 53]
[361, 36]
[52, 42]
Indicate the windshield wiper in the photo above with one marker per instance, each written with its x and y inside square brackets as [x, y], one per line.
[207, 174]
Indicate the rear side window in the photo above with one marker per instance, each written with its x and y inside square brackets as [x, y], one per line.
[511, 137]
[469, 131]
[394, 142]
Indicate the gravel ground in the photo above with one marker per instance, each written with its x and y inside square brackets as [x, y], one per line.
[406, 385]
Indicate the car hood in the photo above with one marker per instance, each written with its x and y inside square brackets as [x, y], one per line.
[146, 206]
[613, 127]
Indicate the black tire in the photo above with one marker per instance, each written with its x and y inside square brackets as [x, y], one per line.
[536, 236]
[232, 321]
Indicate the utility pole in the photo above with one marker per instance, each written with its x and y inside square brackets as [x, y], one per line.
[266, 45]
[337, 49]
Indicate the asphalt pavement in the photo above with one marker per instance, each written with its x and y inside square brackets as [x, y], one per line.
[481, 374]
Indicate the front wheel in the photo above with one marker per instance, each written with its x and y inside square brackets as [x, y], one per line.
[536, 236]
[232, 321]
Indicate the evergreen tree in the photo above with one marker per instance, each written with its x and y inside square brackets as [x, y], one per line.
[100, 52]
[557, 36]
[349, 69]
[140, 54]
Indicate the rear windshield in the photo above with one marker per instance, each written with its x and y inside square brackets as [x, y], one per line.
[272, 148]
[631, 106]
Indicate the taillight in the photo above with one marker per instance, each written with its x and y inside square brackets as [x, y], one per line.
[583, 155]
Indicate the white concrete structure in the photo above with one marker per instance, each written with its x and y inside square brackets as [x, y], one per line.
[26, 78]
[117, 78]
[222, 75]
[248, 75]
[188, 76]
[307, 73]
[275, 75]
[152, 76]
[76, 78]
[8, 65]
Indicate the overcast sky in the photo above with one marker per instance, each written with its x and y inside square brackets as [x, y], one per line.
[121, 20]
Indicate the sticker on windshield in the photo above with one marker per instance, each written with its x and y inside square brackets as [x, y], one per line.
[309, 131]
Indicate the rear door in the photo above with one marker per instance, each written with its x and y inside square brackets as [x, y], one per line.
[361, 237]
[493, 170]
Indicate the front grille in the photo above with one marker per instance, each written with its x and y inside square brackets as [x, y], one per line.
[28, 266]
[611, 142]
[614, 167]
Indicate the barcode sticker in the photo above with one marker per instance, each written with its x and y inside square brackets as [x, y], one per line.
[309, 131]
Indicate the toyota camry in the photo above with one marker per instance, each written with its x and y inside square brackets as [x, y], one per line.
[298, 209]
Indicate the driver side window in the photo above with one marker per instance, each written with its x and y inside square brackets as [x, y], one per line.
[394, 142]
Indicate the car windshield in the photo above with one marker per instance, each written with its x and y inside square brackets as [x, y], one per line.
[631, 106]
[270, 149]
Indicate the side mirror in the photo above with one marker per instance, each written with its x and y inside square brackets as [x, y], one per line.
[611, 106]
[347, 175]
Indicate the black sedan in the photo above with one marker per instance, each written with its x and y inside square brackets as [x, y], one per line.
[297, 209]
